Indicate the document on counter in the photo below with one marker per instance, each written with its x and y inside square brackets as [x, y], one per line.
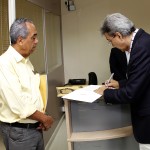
[85, 94]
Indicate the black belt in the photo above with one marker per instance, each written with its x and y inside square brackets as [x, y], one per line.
[23, 125]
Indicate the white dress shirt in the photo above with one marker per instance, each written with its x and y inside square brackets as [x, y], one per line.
[19, 88]
[128, 52]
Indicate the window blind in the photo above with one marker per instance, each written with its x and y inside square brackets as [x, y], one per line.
[4, 26]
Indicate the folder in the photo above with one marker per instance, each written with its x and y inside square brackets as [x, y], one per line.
[44, 89]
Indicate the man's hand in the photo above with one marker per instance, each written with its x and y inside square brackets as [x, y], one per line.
[46, 121]
[112, 84]
[101, 90]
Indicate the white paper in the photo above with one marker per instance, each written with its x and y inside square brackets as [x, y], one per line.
[85, 94]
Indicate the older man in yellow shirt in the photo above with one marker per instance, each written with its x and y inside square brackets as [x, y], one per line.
[21, 106]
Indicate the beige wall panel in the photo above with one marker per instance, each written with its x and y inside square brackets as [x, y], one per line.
[84, 48]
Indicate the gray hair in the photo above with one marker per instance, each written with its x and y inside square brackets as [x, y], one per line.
[117, 23]
[19, 28]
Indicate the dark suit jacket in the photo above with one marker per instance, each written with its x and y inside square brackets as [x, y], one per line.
[136, 89]
[118, 64]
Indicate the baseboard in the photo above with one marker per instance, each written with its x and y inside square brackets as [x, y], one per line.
[54, 133]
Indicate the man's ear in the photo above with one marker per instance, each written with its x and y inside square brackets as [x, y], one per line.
[119, 35]
[20, 41]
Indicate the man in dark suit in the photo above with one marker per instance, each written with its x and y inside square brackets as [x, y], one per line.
[121, 33]
[118, 64]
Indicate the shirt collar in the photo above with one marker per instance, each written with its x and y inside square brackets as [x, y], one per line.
[18, 57]
[133, 36]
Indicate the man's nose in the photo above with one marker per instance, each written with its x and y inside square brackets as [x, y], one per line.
[36, 40]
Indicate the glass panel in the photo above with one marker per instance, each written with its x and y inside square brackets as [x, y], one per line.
[53, 40]
[29, 10]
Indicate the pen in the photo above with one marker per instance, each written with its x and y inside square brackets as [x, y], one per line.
[110, 78]
[108, 81]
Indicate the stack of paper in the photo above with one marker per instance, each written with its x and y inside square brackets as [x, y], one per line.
[85, 94]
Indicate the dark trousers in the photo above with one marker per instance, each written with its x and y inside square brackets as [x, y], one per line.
[21, 138]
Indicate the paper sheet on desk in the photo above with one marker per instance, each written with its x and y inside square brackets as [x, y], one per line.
[85, 94]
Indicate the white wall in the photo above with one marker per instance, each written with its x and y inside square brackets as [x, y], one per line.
[84, 48]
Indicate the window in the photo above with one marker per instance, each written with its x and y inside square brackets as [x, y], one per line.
[49, 35]
[53, 40]
[27, 9]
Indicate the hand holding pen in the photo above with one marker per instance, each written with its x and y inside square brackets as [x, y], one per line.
[109, 80]
[109, 84]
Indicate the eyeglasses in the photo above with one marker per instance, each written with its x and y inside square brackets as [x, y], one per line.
[110, 40]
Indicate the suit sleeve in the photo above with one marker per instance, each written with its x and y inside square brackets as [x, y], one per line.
[138, 79]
